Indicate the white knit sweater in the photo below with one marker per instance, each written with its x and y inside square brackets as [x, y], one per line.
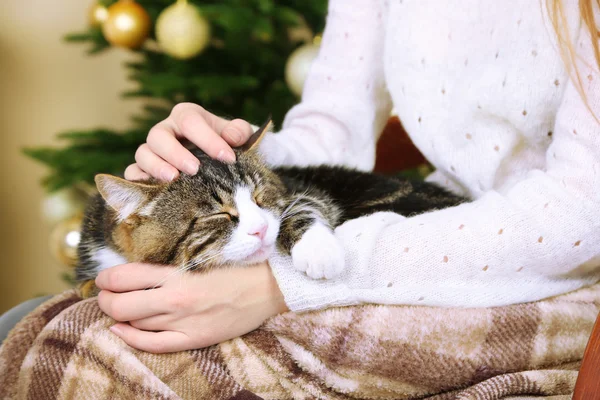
[482, 91]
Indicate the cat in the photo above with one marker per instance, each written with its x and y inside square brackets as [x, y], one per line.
[239, 214]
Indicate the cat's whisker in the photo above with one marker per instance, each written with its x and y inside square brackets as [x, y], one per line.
[299, 211]
[288, 208]
[295, 211]
[298, 198]
[195, 263]
[179, 269]
[186, 267]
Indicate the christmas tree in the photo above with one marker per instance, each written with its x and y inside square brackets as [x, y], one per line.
[229, 56]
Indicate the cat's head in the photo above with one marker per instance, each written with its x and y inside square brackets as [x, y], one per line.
[225, 214]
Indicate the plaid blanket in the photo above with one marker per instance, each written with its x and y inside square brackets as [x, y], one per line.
[63, 350]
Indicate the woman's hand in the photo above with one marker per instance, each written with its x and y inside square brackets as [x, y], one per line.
[163, 156]
[188, 310]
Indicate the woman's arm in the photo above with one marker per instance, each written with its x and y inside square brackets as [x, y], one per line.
[345, 103]
[538, 239]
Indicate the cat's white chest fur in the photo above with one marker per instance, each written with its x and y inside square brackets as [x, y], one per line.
[107, 258]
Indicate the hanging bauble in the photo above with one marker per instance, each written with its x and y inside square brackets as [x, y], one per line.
[181, 30]
[97, 15]
[298, 65]
[63, 204]
[64, 240]
[300, 32]
[127, 25]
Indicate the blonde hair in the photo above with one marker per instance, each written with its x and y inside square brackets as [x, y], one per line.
[565, 42]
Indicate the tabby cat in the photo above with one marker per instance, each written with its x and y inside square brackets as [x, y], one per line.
[238, 214]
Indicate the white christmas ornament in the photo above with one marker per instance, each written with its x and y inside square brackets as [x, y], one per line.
[298, 65]
[63, 204]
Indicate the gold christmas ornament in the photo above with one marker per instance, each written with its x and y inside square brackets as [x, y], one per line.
[181, 31]
[127, 25]
[63, 204]
[64, 240]
[298, 65]
[97, 15]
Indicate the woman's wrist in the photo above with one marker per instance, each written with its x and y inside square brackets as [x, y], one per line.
[264, 292]
[276, 294]
[276, 298]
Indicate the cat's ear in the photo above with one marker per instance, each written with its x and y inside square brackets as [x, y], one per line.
[123, 196]
[254, 140]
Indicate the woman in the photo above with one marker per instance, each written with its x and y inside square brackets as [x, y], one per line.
[501, 97]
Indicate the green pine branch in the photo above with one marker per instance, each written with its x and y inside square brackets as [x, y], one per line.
[87, 154]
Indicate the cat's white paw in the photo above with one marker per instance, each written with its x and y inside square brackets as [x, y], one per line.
[319, 253]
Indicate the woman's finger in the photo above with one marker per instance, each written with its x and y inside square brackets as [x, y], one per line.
[192, 125]
[164, 144]
[216, 123]
[135, 173]
[237, 132]
[131, 306]
[152, 342]
[152, 164]
[161, 322]
[134, 276]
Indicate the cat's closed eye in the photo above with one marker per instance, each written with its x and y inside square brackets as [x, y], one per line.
[229, 213]
[229, 216]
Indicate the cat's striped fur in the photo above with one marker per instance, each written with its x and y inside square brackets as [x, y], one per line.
[236, 214]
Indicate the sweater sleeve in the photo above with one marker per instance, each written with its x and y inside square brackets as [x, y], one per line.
[539, 238]
[345, 104]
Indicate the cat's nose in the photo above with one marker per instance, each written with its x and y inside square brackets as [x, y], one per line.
[259, 231]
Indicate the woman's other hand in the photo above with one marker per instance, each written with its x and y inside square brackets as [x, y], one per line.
[186, 310]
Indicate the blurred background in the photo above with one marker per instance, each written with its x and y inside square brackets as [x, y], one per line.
[46, 87]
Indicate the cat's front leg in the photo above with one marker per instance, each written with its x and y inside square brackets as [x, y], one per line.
[306, 233]
[319, 253]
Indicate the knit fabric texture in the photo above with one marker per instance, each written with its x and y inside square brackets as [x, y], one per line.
[484, 94]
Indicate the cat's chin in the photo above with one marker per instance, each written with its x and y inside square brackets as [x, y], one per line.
[260, 255]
